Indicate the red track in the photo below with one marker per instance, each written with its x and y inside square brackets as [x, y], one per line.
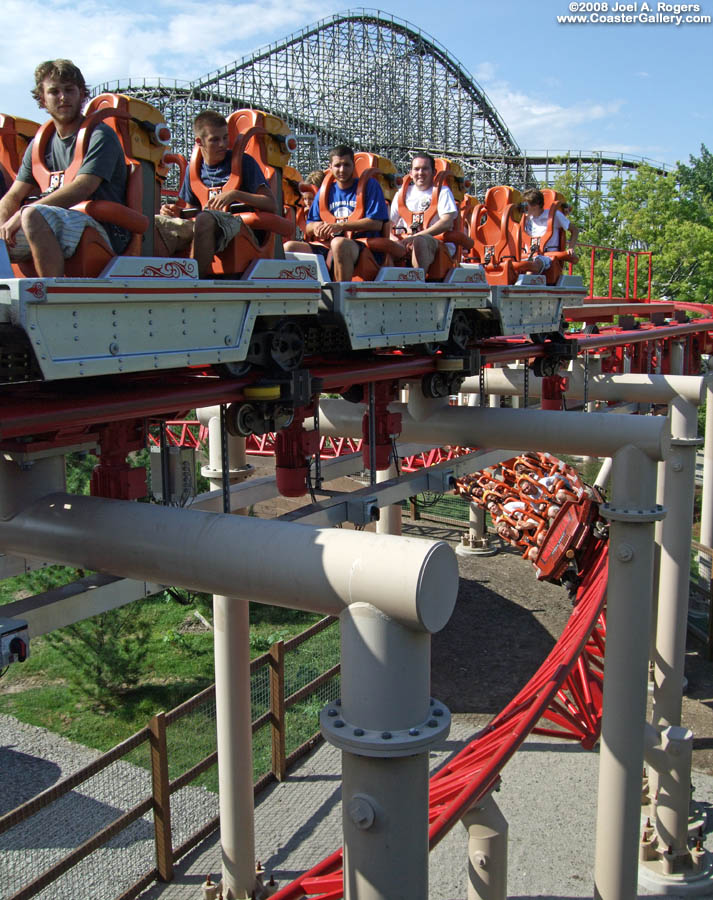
[34, 409]
[566, 690]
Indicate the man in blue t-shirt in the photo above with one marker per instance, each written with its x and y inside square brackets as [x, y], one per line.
[48, 230]
[214, 226]
[341, 202]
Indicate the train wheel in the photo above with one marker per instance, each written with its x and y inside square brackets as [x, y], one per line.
[233, 369]
[436, 384]
[287, 345]
[241, 419]
[461, 332]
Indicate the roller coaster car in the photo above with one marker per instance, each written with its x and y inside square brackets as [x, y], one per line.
[366, 166]
[267, 139]
[143, 137]
[530, 246]
[570, 539]
[15, 135]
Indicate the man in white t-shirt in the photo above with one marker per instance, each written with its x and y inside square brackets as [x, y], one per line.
[536, 225]
[423, 220]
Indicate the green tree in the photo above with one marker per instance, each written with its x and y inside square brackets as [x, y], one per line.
[107, 652]
[669, 214]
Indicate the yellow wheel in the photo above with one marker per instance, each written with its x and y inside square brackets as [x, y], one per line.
[262, 392]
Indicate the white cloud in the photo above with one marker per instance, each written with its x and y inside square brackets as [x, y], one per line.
[485, 72]
[537, 121]
[109, 41]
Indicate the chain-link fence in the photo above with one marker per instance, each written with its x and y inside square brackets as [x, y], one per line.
[110, 829]
[448, 508]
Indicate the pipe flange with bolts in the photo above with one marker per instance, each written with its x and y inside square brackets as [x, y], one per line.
[615, 514]
[386, 743]
[695, 881]
[239, 473]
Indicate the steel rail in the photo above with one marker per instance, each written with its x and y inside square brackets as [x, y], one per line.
[35, 409]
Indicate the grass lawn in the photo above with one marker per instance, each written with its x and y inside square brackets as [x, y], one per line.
[153, 654]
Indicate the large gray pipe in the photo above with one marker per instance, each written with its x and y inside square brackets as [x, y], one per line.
[297, 566]
[632, 388]
[596, 434]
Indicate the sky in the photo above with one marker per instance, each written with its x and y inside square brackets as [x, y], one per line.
[640, 88]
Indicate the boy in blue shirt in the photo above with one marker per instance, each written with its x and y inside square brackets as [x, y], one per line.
[341, 202]
[214, 226]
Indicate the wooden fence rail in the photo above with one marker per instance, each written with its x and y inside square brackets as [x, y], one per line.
[162, 787]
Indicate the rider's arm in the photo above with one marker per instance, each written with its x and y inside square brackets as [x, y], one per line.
[262, 199]
[12, 200]
[358, 225]
[82, 187]
[444, 223]
[573, 235]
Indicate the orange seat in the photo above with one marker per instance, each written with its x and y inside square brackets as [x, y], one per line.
[93, 253]
[15, 135]
[255, 133]
[162, 172]
[495, 230]
[531, 246]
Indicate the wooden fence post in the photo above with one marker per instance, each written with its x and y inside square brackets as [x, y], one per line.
[277, 709]
[161, 797]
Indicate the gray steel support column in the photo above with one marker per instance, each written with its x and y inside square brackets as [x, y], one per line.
[487, 851]
[476, 541]
[676, 357]
[384, 725]
[389, 521]
[704, 561]
[494, 399]
[632, 512]
[674, 571]
[602, 479]
[671, 759]
[231, 630]
[668, 864]
[658, 537]
[231, 641]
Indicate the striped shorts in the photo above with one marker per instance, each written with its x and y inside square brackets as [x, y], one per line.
[67, 226]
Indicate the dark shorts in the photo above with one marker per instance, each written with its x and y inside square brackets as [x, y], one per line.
[320, 249]
[324, 252]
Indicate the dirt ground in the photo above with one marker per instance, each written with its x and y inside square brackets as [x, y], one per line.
[504, 624]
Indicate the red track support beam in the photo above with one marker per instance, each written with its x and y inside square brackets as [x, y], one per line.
[114, 478]
[553, 388]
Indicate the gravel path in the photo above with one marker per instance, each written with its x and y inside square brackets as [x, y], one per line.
[33, 759]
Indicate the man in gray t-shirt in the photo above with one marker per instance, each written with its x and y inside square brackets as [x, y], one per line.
[48, 230]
